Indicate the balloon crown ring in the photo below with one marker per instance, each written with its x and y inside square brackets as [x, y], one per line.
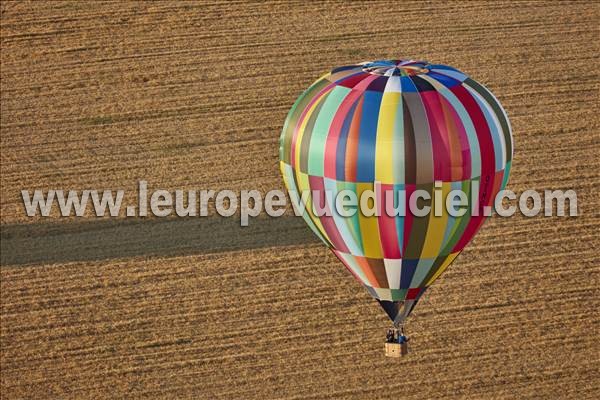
[396, 67]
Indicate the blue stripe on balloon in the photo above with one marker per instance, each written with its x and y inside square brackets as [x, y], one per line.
[365, 165]
[407, 84]
[444, 79]
[406, 272]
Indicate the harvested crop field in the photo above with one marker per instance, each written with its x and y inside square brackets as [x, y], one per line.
[193, 96]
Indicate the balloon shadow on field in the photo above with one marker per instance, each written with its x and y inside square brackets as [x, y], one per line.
[59, 241]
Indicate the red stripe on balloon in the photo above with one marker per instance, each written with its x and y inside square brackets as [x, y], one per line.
[439, 136]
[486, 148]
[351, 155]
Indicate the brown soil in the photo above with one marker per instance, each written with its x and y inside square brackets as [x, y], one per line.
[194, 96]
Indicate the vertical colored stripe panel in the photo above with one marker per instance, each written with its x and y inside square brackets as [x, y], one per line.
[303, 185]
[387, 223]
[293, 118]
[299, 134]
[442, 165]
[368, 227]
[423, 268]
[368, 135]
[467, 123]
[408, 218]
[335, 161]
[353, 221]
[398, 155]
[498, 111]
[309, 130]
[321, 197]
[353, 80]
[463, 222]
[436, 227]
[442, 268]
[340, 156]
[316, 153]
[384, 162]
[408, 270]
[350, 262]
[419, 226]
[343, 224]
[378, 267]
[459, 143]
[393, 84]
[410, 159]
[335, 131]
[452, 73]
[302, 121]
[338, 131]
[453, 222]
[290, 182]
[352, 143]
[495, 129]
[437, 262]
[367, 271]
[423, 149]
[393, 269]
[486, 148]
[400, 203]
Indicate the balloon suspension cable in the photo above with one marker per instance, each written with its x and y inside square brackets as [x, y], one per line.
[399, 325]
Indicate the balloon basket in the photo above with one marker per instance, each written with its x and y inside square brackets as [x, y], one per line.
[396, 349]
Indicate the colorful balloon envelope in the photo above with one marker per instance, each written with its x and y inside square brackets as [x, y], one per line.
[396, 126]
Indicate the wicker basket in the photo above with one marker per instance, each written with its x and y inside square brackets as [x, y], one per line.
[396, 349]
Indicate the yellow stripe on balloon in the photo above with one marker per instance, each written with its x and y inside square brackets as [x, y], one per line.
[442, 267]
[369, 229]
[303, 185]
[437, 225]
[290, 182]
[384, 167]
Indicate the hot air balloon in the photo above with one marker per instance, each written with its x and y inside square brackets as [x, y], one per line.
[399, 125]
